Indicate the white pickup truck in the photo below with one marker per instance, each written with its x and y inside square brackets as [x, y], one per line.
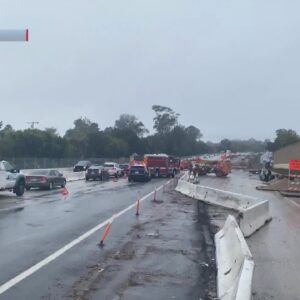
[11, 179]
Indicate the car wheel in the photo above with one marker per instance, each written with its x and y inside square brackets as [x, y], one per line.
[20, 188]
[63, 184]
[50, 187]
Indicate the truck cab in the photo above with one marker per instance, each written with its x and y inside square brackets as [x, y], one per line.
[11, 179]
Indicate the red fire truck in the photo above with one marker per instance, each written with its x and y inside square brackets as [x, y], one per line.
[162, 165]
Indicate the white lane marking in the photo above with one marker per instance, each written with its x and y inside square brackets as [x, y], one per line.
[12, 282]
[293, 202]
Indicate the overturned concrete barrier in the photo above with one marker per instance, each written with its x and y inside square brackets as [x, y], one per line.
[234, 263]
[254, 217]
[253, 212]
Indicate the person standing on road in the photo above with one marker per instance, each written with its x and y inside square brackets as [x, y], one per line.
[190, 168]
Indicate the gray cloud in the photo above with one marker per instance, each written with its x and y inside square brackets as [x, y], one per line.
[228, 67]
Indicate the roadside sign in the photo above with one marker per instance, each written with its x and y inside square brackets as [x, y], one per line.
[294, 164]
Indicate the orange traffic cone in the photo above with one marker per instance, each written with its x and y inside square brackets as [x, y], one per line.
[105, 232]
[138, 207]
[154, 198]
[65, 192]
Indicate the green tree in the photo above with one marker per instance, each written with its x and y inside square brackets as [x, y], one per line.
[225, 144]
[78, 139]
[131, 122]
[284, 137]
[193, 133]
[165, 120]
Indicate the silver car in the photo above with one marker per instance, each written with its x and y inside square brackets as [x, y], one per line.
[113, 169]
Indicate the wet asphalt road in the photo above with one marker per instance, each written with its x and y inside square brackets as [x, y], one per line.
[276, 246]
[43, 222]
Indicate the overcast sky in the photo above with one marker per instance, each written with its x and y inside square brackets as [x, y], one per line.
[231, 67]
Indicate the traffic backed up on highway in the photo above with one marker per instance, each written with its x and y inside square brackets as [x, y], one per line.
[44, 179]
[113, 169]
[82, 165]
[96, 172]
[139, 173]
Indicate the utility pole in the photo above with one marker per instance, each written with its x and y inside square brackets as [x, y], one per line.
[32, 124]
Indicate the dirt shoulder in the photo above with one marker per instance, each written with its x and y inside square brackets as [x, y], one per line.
[168, 253]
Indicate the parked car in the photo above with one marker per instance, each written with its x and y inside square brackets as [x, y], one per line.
[44, 179]
[11, 179]
[82, 165]
[139, 173]
[124, 168]
[113, 169]
[96, 172]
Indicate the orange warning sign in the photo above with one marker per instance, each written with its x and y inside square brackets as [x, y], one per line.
[294, 164]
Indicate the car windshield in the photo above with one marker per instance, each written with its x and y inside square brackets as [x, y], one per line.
[82, 163]
[38, 172]
[109, 165]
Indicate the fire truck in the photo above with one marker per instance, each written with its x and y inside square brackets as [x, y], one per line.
[136, 159]
[162, 165]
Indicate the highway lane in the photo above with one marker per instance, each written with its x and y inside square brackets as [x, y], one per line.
[46, 222]
[275, 247]
[9, 201]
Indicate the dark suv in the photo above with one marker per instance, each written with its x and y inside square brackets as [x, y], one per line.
[96, 172]
[82, 165]
[138, 173]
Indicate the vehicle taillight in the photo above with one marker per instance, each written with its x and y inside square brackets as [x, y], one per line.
[43, 178]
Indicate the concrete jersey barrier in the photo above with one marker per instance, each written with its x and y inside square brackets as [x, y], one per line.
[234, 263]
[253, 212]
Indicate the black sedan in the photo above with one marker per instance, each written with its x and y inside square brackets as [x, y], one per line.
[139, 173]
[44, 179]
[96, 173]
[82, 165]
